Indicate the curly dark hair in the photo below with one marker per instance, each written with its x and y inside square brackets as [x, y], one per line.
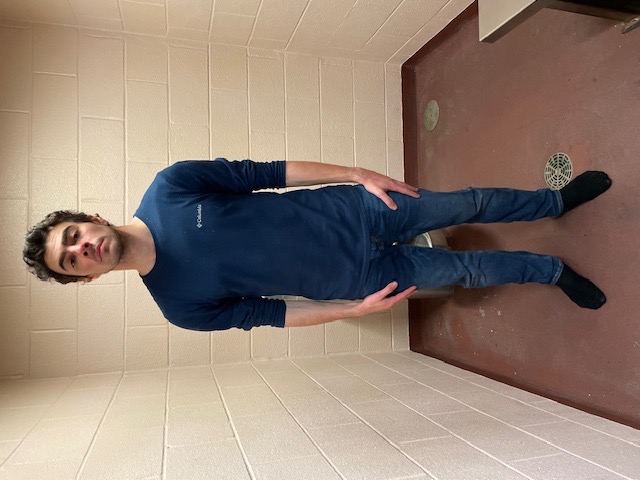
[35, 245]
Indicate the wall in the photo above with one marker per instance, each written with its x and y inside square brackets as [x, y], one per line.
[379, 416]
[376, 30]
[89, 118]
[98, 96]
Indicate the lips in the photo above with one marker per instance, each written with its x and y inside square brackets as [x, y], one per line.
[99, 250]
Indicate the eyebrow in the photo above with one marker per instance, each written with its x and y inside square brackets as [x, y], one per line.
[65, 236]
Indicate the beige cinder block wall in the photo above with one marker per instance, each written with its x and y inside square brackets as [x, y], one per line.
[88, 117]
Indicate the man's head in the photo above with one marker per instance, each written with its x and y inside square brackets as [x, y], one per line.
[72, 246]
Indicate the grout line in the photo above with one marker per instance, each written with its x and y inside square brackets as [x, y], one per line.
[209, 92]
[384, 23]
[538, 457]
[121, 17]
[210, 145]
[145, 163]
[233, 428]
[141, 80]
[533, 405]
[95, 117]
[354, 143]
[337, 28]
[498, 420]
[304, 429]
[581, 424]
[95, 434]
[327, 427]
[552, 422]
[52, 74]
[29, 206]
[293, 34]
[57, 330]
[386, 144]
[286, 104]
[417, 477]
[169, 90]
[58, 159]
[255, 22]
[286, 154]
[178, 44]
[248, 75]
[408, 442]
[318, 64]
[125, 199]
[78, 166]
[15, 24]
[414, 36]
[390, 442]
[13, 110]
[165, 447]
[20, 442]
[213, 10]
[249, 149]
[236, 90]
[436, 423]
[75, 17]
[166, 24]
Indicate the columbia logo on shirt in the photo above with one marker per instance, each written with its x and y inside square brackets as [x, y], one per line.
[199, 216]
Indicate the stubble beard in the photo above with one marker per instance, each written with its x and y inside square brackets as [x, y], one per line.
[118, 244]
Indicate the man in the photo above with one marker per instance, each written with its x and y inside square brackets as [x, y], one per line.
[209, 248]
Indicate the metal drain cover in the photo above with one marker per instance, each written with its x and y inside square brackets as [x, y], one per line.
[558, 171]
[431, 115]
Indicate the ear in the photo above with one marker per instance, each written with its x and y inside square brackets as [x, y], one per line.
[91, 278]
[97, 219]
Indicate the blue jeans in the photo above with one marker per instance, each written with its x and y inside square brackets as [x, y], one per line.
[435, 267]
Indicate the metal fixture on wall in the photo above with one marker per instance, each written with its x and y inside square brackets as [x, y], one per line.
[431, 115]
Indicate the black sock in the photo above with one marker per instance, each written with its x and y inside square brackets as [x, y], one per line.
[580, 290]
[583, 188]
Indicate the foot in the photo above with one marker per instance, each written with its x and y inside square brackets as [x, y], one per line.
[580, 290]
[583, 188]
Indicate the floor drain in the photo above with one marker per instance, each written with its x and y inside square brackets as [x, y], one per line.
[431, 115]
[558, 171]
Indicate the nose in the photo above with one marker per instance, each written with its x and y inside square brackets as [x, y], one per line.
[82, 249]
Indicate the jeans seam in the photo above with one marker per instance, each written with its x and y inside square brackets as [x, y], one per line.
[559, 201]
[558, 272]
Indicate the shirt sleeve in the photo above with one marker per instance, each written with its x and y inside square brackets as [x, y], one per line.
[244, 313]
[222, 175]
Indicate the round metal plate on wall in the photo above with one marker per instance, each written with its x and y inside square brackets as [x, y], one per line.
[431, 115]
[558, 171]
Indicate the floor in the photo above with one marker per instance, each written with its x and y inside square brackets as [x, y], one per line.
[379, 416]
[560, 82]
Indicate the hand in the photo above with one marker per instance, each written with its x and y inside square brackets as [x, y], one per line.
[379, 185]
[379, 301]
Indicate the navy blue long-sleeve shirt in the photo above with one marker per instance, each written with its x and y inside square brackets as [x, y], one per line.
[221, 247]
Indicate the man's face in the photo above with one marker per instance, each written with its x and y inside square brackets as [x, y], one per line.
[86, 249]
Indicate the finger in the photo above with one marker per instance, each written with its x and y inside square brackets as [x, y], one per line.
[407, 189]
[391, 287]
[388, 201]
[388, 290]
[384, 292]
[405, 293]
[394, 300]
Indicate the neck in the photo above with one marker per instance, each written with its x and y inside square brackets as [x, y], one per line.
[139, 248]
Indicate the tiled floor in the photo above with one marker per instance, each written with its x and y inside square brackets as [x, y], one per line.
[559, 82]
[379, 416]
